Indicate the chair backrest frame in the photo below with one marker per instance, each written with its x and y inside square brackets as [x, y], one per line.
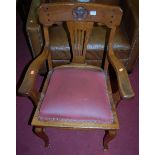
[80, 18]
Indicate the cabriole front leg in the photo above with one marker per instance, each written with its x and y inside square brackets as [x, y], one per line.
[109, 135]
[39, 131]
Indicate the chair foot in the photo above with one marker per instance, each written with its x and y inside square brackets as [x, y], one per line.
[39, 131]
[109, 135]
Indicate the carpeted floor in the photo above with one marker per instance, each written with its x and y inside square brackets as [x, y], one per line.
[68, 142]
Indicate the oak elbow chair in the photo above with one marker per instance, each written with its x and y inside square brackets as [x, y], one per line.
[77, 95]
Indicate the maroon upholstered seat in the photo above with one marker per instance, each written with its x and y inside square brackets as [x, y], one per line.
[77, 95]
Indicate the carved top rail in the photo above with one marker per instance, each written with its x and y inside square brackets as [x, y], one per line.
[91, 12]
[109, 2]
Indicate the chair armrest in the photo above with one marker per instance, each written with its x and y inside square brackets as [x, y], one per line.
[27, 88]
[125, 88]
[33, 29]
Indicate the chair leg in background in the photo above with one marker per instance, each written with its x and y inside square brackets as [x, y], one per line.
[109, 135]
[117, 98]
[39, 131]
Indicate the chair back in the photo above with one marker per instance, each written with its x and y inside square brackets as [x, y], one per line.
[80, 19]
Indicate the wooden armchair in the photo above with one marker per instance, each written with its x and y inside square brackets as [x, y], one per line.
[77, 95]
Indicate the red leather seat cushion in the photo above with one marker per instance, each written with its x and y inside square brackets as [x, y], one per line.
[77, 95]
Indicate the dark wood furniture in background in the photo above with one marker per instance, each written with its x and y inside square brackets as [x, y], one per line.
[23, 7]
[67, 104]
[126, 44]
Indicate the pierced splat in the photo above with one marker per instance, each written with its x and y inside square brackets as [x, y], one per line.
[79, 35]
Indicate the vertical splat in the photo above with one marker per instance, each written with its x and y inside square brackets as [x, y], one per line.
[79, 36]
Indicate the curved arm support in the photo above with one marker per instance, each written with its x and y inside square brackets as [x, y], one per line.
[27, 88]
[125, 87]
